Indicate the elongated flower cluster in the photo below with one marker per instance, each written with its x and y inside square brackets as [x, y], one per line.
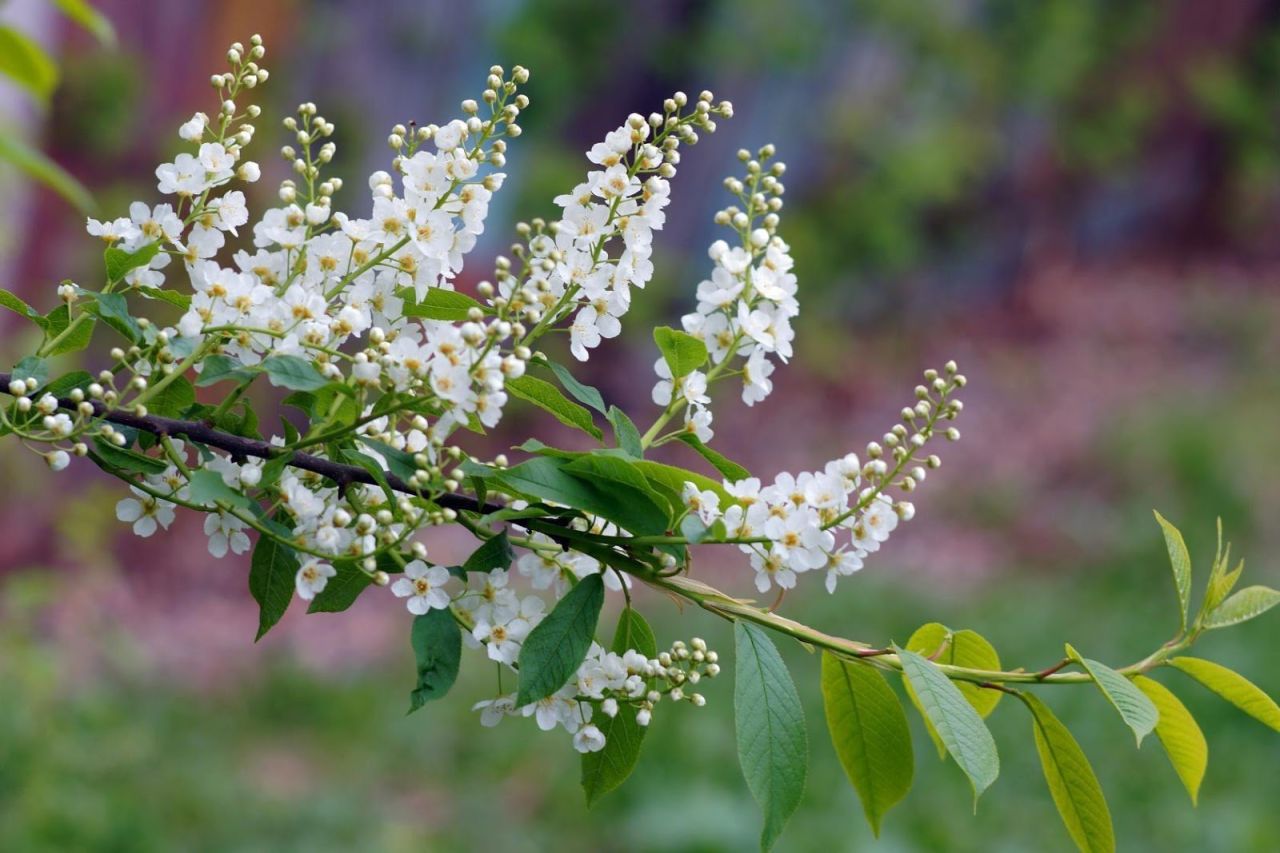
[745, 308]
[831, 520]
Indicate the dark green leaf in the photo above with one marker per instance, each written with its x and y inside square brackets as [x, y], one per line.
[605, 770]
[554, 650]
[398, 462]
[683, 352]
[545, 478]
[437, 646]
[773, 746]
[547, 397]
[494, 553]
[127, 460]
[114, 311]
[77, 338]
[207, 488]
[341, 590]
[580, 392]
[869, 732]
[32, 367]
[173, 400]
[64, 385]
[272, 573]
[729, 469]
[216, 368]
[293, 372]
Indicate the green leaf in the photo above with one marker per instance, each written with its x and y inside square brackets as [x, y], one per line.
[399, 463]
[64, 385]
[547, 479]
[272, 573]
[32, 367]
[290, 371]
[173, 297]
[605, 770]
[554, 650]
[729, 469]
[633, 502]
[119, 262]
[127, 460]
[547, 397]
[955, 720]
[37, 166]
[494, 553]
[1071, 780]
[580, 392]
[207, 488]
[773, 746]
[174, 399]
[341, 590]
[114, 311]
[26, 63]
[1244, 605]
[1138, 712]
[216, 368]
[869, 732]
[964, 648]
[672, 479]
[79, 336]
[1180, 559]
[1179, 734]
[440, 304]
[83, 13]
[683, 352]
[624, 430]
[1233, 687]
[19, 307]
[437, 646]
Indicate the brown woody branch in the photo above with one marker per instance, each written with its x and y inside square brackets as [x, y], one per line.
[241, 447]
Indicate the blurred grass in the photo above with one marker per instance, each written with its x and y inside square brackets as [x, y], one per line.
[302, 760]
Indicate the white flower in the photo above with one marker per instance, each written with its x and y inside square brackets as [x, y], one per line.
[193, 129]
[588, 739]
[312, 578]
[506, 629]
[771, 568]
[226, 533]
[705, 503]
[145, 513]
[492, 711]
[423, 585]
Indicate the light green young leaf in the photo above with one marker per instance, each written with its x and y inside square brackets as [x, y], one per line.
[272, 571]
[554, 650]
[1233, 687]
[966, 648]
[440, 304]
[624, 430]
[869, 732]
[208, 488]
[728, 469]
[773, 746]
[1180, 560]
[83, 13]
[956, 721]
[1138, 712]
[1244, 605]
[293, 372]
[37, 166]
[605, 770]
[1181, 737]
[582, 393]
[1072, 782]
[683, 352]
[26, 63]
[547, 397]
[437, 646]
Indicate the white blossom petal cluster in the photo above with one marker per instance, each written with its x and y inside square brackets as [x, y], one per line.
[831, 520]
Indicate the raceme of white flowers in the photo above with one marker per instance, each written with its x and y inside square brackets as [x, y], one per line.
[351, 308]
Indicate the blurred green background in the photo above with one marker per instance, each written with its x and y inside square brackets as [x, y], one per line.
[1076, 199]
